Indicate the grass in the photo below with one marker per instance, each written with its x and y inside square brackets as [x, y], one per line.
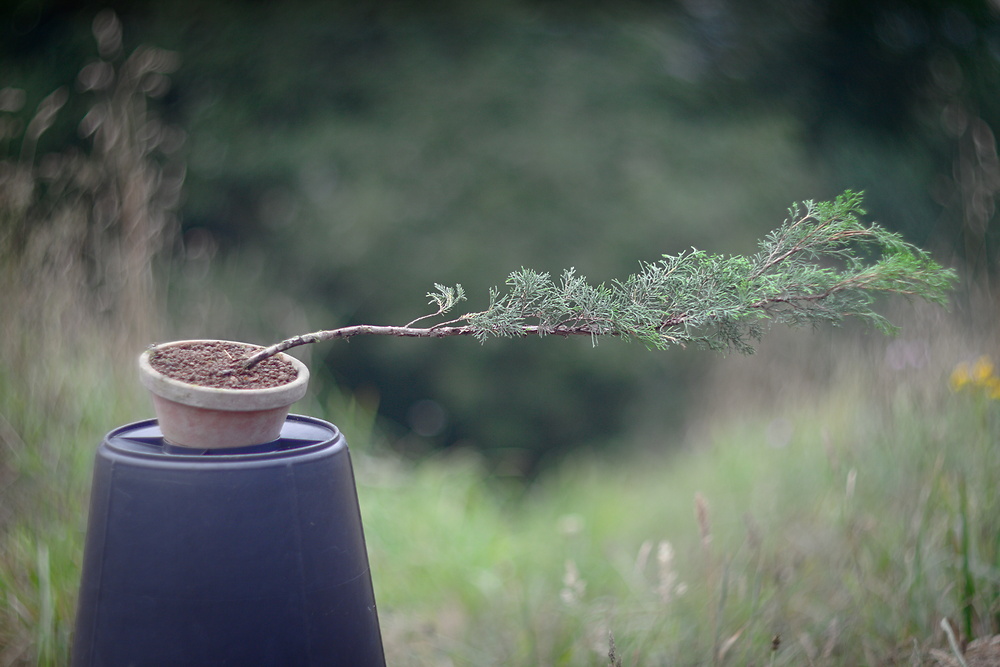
[841, 528]
[840, 521]
[52, 417]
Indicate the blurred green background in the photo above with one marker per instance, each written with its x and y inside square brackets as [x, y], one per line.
[286, 167]
[341, 157]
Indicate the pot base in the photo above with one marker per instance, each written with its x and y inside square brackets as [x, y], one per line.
[202, 428]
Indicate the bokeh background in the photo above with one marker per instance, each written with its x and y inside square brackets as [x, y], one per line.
[255, 170]
[341, 157]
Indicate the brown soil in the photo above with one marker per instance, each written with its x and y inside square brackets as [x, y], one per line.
[211, 364]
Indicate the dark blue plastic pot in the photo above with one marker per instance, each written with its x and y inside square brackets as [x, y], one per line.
[250, 558]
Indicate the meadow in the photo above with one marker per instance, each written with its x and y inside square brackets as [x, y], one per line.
[835, 500]
[838, 521]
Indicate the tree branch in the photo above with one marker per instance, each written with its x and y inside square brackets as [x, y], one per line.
[693, 297]
[411, 332]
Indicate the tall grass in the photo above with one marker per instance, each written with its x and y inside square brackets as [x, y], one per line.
[827, 529]
[80, 232]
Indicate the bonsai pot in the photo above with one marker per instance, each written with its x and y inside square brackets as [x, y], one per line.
[213, 417]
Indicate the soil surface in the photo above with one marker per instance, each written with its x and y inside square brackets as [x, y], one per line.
[211, 364]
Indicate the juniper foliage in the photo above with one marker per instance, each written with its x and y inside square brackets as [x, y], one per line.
[822, 265]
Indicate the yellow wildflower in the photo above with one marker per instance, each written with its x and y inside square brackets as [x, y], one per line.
[982, 371]
[980, 376]
[959, 377]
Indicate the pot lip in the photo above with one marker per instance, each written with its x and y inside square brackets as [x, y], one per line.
[218, 398]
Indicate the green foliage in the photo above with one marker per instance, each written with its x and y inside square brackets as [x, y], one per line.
[445, 298]
[821, 266]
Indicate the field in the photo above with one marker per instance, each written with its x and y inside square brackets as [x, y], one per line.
[836, 501]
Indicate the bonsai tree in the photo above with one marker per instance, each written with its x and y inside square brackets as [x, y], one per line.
[822, 265]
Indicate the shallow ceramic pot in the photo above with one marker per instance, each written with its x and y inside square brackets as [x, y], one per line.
[199, 417]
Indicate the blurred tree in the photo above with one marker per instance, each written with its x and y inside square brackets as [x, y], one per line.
[349, 155]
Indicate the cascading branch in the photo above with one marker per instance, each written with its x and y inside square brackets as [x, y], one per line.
[823, 265]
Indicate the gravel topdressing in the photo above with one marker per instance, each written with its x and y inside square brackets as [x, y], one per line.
[212, 364]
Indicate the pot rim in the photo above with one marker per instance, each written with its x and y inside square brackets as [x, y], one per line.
[218, 398]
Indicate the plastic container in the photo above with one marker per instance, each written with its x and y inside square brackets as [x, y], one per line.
[251, 557]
